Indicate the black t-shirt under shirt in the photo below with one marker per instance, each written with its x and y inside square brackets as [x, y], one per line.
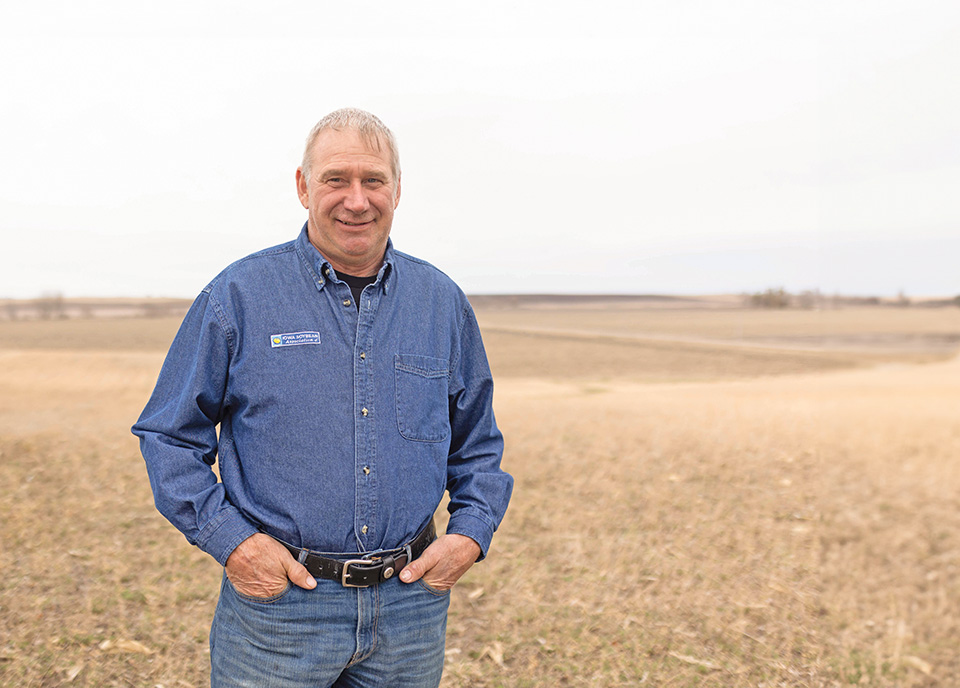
[356, 285]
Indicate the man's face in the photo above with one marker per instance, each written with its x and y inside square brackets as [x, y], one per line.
[350, 197]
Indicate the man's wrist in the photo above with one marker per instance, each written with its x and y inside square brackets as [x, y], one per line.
[473, 527]
[225, 533]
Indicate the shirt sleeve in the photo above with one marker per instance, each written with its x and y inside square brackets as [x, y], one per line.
[479, 489]
[178, 433]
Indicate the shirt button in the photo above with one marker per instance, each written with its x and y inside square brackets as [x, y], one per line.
[364, 411]
[366, 470]
[346, 302]
[363, 356]
[364, 530]
[326, 271]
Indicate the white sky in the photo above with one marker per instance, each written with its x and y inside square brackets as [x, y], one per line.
[612, 147]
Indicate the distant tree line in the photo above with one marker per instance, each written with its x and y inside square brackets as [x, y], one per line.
[50, 306]
[778, 297]
[54, 306]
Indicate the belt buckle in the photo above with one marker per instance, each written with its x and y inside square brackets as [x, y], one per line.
[346, 572]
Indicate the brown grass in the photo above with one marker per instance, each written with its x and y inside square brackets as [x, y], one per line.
[686, 513]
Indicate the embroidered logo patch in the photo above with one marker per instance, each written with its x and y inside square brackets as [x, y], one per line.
[294, 339]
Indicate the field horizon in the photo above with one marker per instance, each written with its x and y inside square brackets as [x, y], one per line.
[55, 305]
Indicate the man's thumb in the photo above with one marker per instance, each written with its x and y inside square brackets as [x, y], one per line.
[298, 575]
[411, 572]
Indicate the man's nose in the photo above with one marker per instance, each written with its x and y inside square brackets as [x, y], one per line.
[355, 200]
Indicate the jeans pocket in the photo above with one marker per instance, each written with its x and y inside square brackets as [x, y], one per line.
[423, 414]
[436, 592]
[259, 600]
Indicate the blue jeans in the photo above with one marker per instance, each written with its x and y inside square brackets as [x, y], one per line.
[390, 634]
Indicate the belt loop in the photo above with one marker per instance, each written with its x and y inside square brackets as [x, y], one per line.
[303, 555]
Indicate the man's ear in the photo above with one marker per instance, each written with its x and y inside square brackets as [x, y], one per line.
[302, 191]
[396, 200]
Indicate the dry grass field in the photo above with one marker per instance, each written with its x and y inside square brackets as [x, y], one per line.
[719, 497]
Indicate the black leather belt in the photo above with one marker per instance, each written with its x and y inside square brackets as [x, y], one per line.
[369, 569]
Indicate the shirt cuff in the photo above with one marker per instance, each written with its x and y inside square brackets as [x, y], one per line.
[224, 533]
[474, 527]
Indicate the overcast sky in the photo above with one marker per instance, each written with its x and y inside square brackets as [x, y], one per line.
[604, 147]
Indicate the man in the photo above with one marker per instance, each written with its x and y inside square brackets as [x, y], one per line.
[351, 389]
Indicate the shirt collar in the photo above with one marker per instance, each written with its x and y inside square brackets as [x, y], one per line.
[321, 270]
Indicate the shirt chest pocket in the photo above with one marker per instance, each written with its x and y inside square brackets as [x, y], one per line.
[422, 408]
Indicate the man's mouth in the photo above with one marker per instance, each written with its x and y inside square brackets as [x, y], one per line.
[354, 224]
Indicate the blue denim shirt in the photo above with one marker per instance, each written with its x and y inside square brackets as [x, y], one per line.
[339, 431]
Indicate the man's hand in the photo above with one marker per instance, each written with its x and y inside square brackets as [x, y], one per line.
[260, 567]
[443, 562]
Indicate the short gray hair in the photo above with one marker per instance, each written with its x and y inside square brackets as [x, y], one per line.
[367, 125]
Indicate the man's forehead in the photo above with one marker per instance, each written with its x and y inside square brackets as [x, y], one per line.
[337, 148]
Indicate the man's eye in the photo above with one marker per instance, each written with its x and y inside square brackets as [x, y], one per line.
[374, 181]
[335, 180]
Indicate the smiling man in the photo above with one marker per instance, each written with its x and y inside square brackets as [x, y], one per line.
[350, 388]
[350, 187]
